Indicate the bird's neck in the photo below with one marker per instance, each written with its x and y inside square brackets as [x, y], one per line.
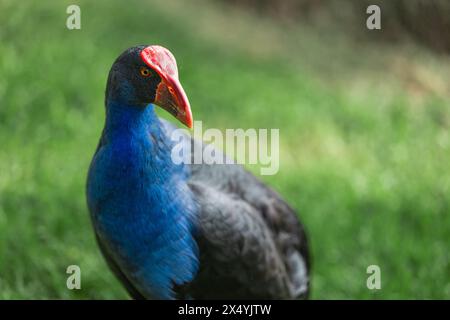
[123, 119]
[142, 203]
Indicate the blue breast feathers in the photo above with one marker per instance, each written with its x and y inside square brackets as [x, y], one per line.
[141, 207]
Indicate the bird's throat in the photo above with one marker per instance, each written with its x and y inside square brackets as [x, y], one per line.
[124, 119]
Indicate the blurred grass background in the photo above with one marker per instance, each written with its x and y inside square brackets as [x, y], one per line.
[364, 135]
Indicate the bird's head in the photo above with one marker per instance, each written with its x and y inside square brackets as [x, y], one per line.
[148, 74]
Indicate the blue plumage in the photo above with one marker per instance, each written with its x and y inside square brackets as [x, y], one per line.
[141, 207]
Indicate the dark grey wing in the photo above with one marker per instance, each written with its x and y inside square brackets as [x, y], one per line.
[251, 242]
[239, 257]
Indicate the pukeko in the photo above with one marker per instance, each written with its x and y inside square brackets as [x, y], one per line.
[202, 231]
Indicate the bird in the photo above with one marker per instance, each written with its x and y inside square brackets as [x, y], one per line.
[177, 230]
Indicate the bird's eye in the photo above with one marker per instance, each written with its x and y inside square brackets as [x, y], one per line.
[145, 72]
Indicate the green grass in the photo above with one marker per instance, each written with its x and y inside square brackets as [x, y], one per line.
[364, 129]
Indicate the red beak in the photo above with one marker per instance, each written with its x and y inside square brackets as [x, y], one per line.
[169, 94]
